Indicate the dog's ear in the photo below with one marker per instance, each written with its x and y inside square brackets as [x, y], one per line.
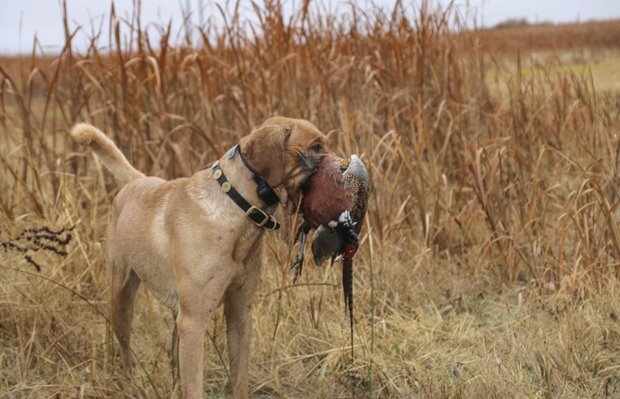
[265, 149]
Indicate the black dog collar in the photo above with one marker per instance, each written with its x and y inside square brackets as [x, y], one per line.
[257, 215]
[264, 192]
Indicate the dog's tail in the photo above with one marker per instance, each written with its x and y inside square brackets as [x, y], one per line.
[107, 151]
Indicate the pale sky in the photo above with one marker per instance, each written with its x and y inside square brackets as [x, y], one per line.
[20, 20]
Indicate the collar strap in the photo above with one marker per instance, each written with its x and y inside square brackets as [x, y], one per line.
[257, 215]
[263, 190]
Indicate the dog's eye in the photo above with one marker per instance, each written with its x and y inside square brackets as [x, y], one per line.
[318, 148]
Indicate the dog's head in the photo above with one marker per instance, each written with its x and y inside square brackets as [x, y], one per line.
[285, 152]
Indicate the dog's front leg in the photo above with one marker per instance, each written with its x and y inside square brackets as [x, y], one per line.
[238, 329]
[197, 303]
[237, 308]
[191, 353]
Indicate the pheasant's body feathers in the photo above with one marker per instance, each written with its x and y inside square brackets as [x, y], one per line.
[326, 195]
[327, 241]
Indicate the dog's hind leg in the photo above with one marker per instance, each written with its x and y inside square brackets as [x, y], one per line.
[123, 294]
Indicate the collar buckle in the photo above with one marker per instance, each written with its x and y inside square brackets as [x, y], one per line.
[261, 218]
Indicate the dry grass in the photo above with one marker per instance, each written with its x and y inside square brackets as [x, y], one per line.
[489, 258]
[545, 36]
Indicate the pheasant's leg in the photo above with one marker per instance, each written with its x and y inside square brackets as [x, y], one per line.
[299, 259]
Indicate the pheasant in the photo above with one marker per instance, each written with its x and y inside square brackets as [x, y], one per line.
[328, 241]
[334, 204]
[335, 201]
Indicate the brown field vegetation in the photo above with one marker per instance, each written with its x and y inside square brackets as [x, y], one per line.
[489, 259]
[591, 34]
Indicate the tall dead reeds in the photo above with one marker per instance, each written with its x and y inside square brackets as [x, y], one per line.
[516, 187]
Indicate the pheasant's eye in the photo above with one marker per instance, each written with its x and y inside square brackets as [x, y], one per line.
[318, 148]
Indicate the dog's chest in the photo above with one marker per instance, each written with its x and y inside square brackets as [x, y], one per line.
[230, 230]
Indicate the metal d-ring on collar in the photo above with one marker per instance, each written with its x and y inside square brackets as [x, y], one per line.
[257, 215]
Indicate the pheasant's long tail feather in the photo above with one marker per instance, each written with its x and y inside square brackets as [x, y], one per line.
[347, 287]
